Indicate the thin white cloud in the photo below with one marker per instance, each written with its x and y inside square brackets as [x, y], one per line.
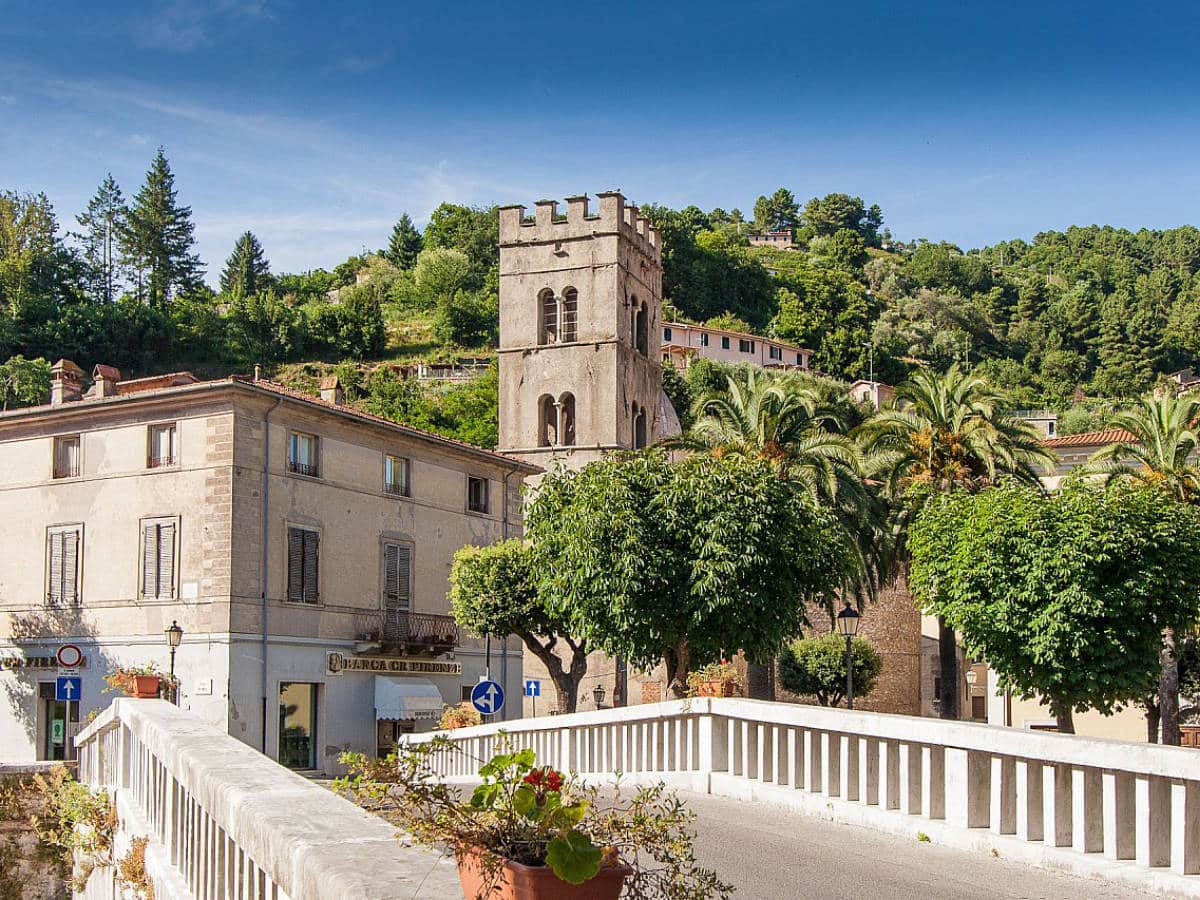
[185, 25]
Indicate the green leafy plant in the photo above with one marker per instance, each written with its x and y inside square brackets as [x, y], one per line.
[122, 678]
[77, 820]
[723, 672]
[816, 666]
[536, 816]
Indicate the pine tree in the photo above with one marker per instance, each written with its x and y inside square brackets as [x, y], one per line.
[101, 221]
[157, 237]
[247, 270]
[404, 244]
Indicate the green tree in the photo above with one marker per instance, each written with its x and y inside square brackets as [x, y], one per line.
[468, 319]
[684, 562]
[947, 433]
[493, 593]
[263, 328]
[829, 214]
[777, 212]
[470, 230]
[1164, 437]
[1065, 595]
[36, 270]
[404, 244]
[816, 666]
[247, 270]
[102, 221]
[441, 272]
[157, 237]
[24, 382]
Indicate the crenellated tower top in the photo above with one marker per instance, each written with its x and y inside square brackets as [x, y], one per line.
[615, 216]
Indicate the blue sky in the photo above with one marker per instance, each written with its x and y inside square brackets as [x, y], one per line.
[316, 124]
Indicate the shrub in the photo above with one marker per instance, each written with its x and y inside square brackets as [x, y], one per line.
[816, 666]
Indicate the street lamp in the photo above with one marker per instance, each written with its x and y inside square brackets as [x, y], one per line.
[598, 695]
[174, 636]
[847, 625]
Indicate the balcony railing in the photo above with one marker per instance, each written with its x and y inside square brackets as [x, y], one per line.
[158, 462]
[409, 631]
[300, 468]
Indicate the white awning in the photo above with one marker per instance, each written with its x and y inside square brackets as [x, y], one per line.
[407, 698]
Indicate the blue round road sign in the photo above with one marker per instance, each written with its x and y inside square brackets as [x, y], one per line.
[487, 697]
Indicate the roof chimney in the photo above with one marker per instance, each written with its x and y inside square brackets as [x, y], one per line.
[104, 381]
[66, 382]
[331, 390]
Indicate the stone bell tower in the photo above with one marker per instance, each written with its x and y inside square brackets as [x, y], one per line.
[579, 331]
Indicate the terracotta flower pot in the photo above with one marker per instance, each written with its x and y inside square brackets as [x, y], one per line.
[145, 687]
[717, 688]
[520, 882]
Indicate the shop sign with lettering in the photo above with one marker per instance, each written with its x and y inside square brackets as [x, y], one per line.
[389, 665]
[28, 662]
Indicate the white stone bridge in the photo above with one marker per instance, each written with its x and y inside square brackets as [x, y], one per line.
[224, 822]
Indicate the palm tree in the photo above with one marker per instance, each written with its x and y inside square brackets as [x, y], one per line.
[946, 433]
[1160, 451]
[787, 422]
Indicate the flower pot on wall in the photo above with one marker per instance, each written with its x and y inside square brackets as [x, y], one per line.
[520, 882]
[145, 687]
[717, 688]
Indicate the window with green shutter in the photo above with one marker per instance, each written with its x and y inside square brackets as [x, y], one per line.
[304, 550]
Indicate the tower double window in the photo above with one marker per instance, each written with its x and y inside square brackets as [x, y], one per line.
[556, 421]
[558, 317]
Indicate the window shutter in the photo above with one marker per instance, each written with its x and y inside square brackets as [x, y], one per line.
[54, 586]
[312, 544]
[295, 585]
[397, 565]
[70, 566]
[150, 561]
[165, 585]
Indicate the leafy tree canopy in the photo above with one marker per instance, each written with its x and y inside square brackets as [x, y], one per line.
[816, 666]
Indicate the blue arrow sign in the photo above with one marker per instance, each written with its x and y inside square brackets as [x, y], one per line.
[68, 687]
[533, 687]
[487, 697]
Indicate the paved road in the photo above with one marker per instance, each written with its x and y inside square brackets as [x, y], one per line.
[769, 853]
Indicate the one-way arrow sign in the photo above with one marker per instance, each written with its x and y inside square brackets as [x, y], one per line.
[68, 688]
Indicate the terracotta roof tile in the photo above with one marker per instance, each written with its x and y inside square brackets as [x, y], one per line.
[155, 382]
[1089, 439]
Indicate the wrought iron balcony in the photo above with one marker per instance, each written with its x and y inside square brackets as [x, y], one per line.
[408, 631]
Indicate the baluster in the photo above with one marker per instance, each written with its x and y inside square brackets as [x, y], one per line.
[1185, 827]
[1120, 828]
[910, 778]
[1152, 796]
[868, 771]
[1056, 805]
[889, 775]
[848, 763]
[831, 749]
[814, 745]
[1087, 810]
[965, 786]
[1003, 817]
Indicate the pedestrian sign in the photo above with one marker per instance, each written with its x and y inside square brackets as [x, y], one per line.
[533, 687]
[487, 697]
[68, 688]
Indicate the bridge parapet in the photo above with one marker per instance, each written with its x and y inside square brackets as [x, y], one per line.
[1112, 808]
[224, 821]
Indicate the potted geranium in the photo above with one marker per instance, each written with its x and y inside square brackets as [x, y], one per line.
[462, 716]
[143, 682]
[531, 832]
[719, 679]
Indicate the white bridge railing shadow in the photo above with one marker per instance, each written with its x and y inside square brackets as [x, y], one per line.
[1113, 809]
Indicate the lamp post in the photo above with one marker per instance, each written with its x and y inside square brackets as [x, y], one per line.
[174, 636]
[598, 693]
[847, 625]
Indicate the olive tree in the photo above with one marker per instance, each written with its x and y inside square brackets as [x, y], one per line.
[1065, 595]
[650, 559]
[493, 594]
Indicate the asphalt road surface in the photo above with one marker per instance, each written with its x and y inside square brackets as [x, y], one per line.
[769, 853]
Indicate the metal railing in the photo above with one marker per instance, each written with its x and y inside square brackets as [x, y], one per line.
[1112, 809]
[414, 632]
[300, 468]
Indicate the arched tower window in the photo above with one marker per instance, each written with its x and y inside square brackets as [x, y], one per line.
[639, 427]
[547, 421]
[566, 418]
[568, 313]
[547, 317]
[641, 340]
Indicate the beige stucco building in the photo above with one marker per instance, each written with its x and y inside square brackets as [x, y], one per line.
[683, 342]
[302, 545]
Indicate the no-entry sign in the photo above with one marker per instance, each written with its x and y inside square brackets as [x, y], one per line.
[69, 656]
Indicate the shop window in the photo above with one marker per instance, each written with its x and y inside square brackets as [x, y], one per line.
[298, 725]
